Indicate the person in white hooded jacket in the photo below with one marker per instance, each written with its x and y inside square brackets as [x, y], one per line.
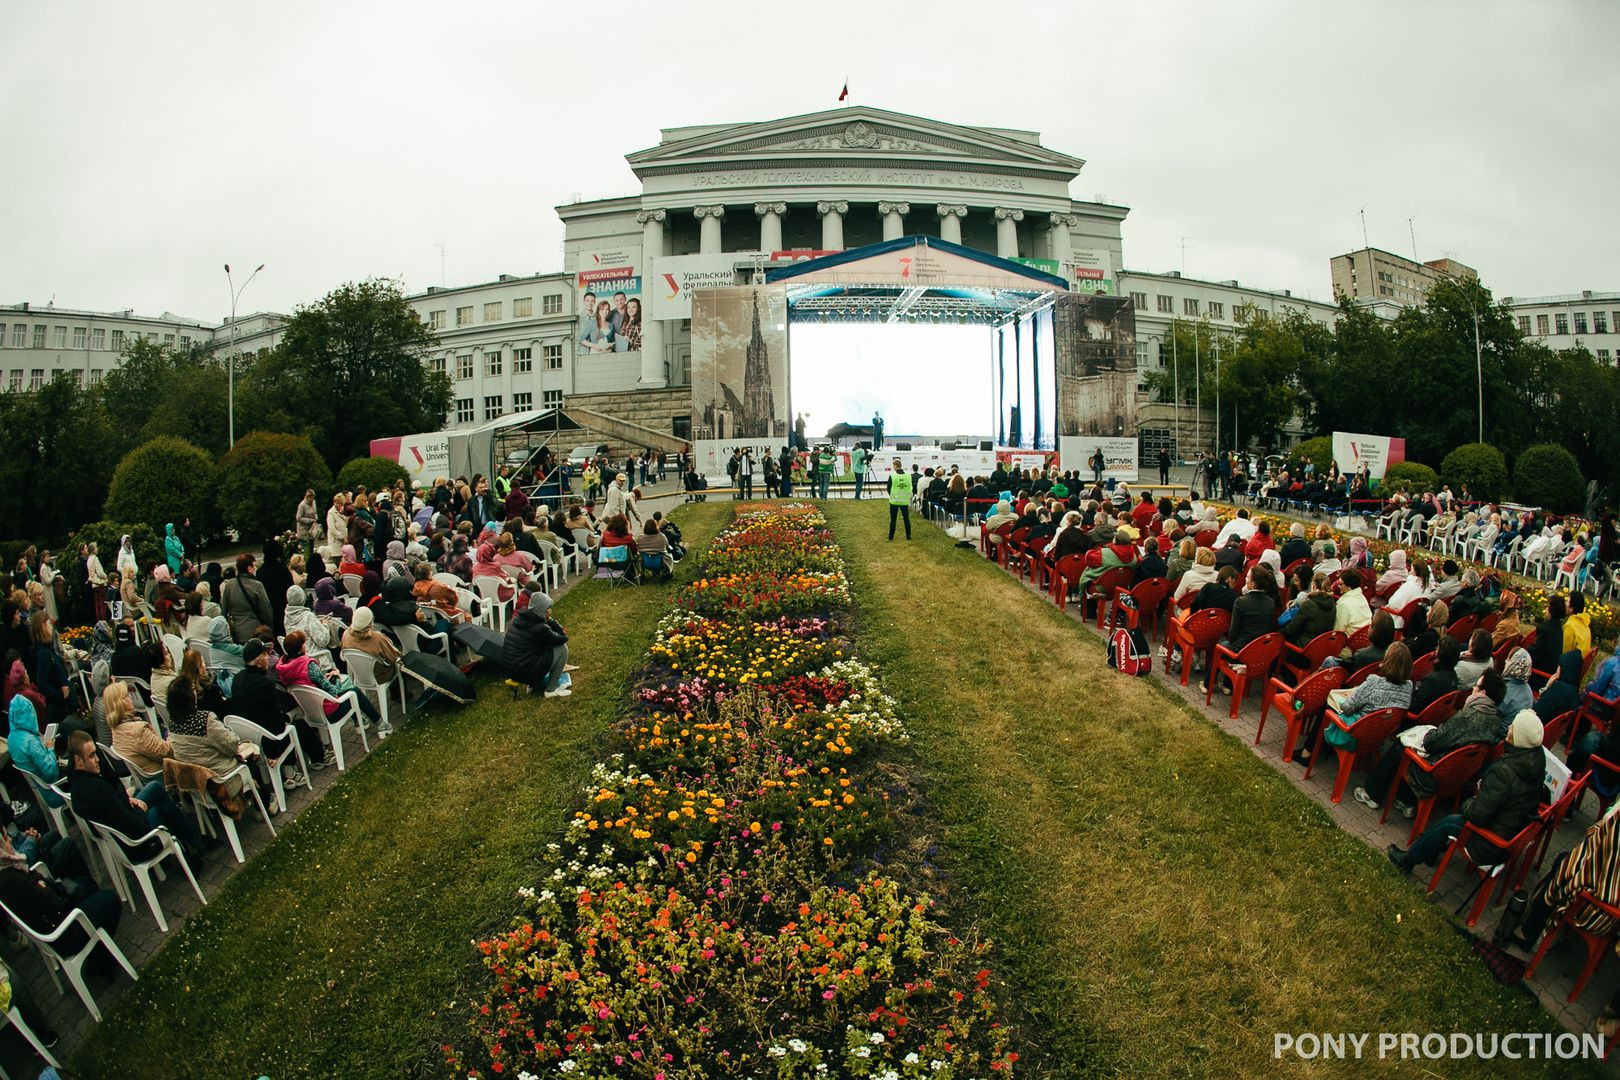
[300, 617]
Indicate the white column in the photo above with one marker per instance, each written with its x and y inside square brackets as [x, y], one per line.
[770, 225]
[1007, 219]
[652, 330]
[950, 221]
[894, 224]
[832, 224]
[1062, 246]
[709, 220]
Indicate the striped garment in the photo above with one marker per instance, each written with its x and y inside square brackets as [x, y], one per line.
[1594, 865]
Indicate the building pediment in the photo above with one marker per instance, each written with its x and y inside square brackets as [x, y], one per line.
[850, 134]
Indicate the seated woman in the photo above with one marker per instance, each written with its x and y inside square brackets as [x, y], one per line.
[1425, 639]
[1312, 608]
[319, 633]
[222, 651]
[199, 737]
[296, 668]
[328, 604]
[1388, 688]
[485, 566]
[363, 636]
[652, 542]
[441, 598]
[507, 556]
[197, 620]
[163, 670]
[209, 692]
[351, 563]
[616, 533]
[1476, 660]
[132, 736]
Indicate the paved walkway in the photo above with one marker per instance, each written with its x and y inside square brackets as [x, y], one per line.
[1555, 977]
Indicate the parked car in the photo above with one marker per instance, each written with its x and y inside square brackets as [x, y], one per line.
[580, 456]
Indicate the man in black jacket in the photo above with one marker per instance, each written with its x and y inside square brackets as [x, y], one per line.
[1508, 796]
[536, 647]
[258, 696]
[99, 796]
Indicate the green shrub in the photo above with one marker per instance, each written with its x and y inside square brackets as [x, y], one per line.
[263, 478]
[1478, 465]
[107, 536]
[374, 473]
[162, 481]
[1413, 475]
[1319, 450]
[1547, 475]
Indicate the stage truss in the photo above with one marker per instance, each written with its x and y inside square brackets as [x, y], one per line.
[879, 302]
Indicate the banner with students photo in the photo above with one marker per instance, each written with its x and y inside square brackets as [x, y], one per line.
[610, 307]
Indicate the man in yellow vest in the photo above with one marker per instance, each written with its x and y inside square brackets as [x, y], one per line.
[899, 497]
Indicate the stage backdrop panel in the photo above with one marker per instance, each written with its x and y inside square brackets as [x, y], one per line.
[1096, 364]
[740, 364]
[1119, 456]
[1377, 452]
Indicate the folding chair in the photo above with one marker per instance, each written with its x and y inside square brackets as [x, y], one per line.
[72, 966]
[119, 847]
[247, 731]
[613, 564]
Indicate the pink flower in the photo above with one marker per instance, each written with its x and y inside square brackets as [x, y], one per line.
[828, 995]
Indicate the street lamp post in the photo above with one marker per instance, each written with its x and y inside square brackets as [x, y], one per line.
[230, 364]
[1479, 370]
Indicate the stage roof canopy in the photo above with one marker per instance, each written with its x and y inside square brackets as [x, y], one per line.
[914, 279]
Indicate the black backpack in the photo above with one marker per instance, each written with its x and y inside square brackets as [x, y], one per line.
[1129, 652]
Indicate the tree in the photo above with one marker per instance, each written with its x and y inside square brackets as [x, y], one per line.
[375, 473]
[1258, 371]
[1547, 475]
[262, 480]
[1478, 465]
[1189, 363]
[57, 453]
[163, 390]
[1412, 476]
[164, 481]
[351, 367]
[1344, 374]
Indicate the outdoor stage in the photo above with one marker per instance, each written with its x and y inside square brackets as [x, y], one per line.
[1028, 365]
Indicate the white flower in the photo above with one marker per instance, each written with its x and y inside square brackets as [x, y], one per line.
[777, 1051]
[546, 894]
[798, 1046]
[875, 1038]
[911, 1058]
[863, 1051]
[527, 1076]
[567, 1065]
[527, 892]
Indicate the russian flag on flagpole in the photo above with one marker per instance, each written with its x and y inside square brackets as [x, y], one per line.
[844, 93]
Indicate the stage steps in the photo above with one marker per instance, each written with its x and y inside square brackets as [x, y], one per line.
[624, 434]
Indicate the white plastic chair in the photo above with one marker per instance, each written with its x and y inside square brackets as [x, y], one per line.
[247, 731]
[176, 647]
[118, 846]
[312, 701]
[352, 584]
[140, 776]
[1506, 557]
[249, 788]
[362, 668]
[413, 638]
[490, 589]
[33, 1040]
[72, 966]
[57, 814]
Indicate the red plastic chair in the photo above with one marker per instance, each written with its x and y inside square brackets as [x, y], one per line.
[1370, 732]
[1011, 545]
[1301, 661]
[1360, 638]
[1206, 537]
[1553, 816]
[1149, 596]
[1358, 677]
[1298, 703]
[1288, 571]
[1597, 945]
[1557, 728]
[1066, 574]
[1410, 611]
[1594, 710]
[1422, 667]
[1511, 851]
[1499, 657]
[1032, 555]
[1440, 709]
[1199, 632]
[1490, 621]
[1257, 658]
[1103, 588]
[1463, 629]
[986, 548]
[1451, 775]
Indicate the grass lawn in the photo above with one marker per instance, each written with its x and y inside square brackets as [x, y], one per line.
[1163, 902]
[335, 952]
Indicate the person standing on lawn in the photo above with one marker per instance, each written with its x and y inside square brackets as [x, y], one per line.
[899, 497]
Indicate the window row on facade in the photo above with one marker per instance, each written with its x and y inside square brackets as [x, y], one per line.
[495, 311]
[495, 405]
[84, 338]
[1560, 323]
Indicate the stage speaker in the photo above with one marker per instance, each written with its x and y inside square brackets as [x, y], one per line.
[986, 444]
[902, 446]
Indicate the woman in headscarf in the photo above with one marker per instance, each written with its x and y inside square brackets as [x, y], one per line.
[394, 564]
[1516, 672]
[458, 560]
[362, 635]
[350, 563]
[205, 594]
[1360, 557]
[370, 588]
[508, 556]
[300, 617]
[102, 643]
[174, 552]
[18, 682]
[1508, 626]
[486, 566]
[1272, 558]
[1395, 576]
[1426, 640]
[441, 598]
[328, 605]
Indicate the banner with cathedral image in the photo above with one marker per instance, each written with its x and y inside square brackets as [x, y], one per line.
[740, 364]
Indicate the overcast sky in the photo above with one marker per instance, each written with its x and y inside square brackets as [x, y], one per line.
[147, 144]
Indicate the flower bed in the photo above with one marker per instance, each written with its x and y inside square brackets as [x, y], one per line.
[714, 908]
